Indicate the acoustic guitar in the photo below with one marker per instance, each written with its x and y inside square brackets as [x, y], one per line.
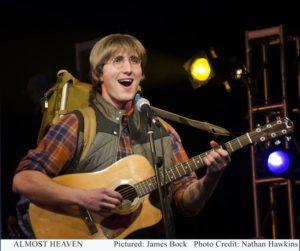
[134, 178]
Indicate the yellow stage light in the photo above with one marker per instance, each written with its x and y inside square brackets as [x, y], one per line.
[199, 70]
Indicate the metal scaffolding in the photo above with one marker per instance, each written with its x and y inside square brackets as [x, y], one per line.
[266, 61]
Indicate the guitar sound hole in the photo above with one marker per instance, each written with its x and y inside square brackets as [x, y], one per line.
[128, 192]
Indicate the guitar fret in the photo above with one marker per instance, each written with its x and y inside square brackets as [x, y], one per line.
[169, 178]
[181, 169]
[189, 166]
[229, 143]
[172, 172]
[139, 189]
[165, 177]
[235, 144]
[197, 161]
[239, 142]
[146, 186]
[153, 181]
[184, 167]
[143, 186]
[245, 139]
[169, 171]
[247, 134]
[151, 185]
[177, 169]
[202, 156]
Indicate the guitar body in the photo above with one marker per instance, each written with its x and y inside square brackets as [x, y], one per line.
[67, 223]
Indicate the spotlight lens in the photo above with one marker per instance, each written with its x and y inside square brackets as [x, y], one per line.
[278, 162]
[200, 69]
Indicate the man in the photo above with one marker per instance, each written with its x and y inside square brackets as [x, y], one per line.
[117, 65]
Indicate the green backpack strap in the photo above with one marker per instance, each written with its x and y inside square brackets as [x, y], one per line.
[89, 130]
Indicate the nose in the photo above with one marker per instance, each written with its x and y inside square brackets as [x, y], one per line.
[127, 66]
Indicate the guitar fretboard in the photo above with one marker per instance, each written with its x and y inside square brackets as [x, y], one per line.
[180, 170]
[280, 127]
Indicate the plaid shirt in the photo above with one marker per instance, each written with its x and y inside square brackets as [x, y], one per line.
[58, 147]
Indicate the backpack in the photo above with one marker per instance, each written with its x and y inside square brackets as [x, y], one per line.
[67, 95]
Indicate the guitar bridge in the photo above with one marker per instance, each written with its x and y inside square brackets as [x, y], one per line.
[88, 220]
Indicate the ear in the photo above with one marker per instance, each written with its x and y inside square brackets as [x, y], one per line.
[97, 78]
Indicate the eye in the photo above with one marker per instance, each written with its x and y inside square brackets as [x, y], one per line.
[118, 59]
[135, 60]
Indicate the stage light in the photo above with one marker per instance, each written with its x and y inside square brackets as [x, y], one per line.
[241, 72]
[199, 69]
[207, 66]
[278, 162]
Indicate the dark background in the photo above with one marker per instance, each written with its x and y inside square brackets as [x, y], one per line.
[38, 39]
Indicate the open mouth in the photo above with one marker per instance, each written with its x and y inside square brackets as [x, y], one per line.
[125, 82]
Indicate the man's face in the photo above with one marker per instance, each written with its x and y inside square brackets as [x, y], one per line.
[120, 79]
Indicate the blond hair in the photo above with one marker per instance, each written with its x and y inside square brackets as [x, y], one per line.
[106, 47]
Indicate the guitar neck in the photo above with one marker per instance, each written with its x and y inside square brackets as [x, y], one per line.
[195, 163]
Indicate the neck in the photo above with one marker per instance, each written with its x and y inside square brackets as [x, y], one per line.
[127, 106]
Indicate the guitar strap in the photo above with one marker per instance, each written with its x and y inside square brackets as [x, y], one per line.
[191, 122]
[89, 129]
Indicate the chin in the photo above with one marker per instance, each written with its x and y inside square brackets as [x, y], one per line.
[127, 97]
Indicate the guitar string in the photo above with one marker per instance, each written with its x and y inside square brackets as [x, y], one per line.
[128, 192]
[236, 143]
[189, 162]
[239, 142]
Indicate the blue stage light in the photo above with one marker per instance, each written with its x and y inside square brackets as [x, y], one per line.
[278, 162]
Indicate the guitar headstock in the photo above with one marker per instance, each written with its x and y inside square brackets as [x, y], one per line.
[273, 130]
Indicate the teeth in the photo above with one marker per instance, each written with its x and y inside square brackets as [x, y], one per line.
[125, 81]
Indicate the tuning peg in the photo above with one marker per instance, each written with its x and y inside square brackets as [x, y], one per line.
[277, 142]
[288, 138]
